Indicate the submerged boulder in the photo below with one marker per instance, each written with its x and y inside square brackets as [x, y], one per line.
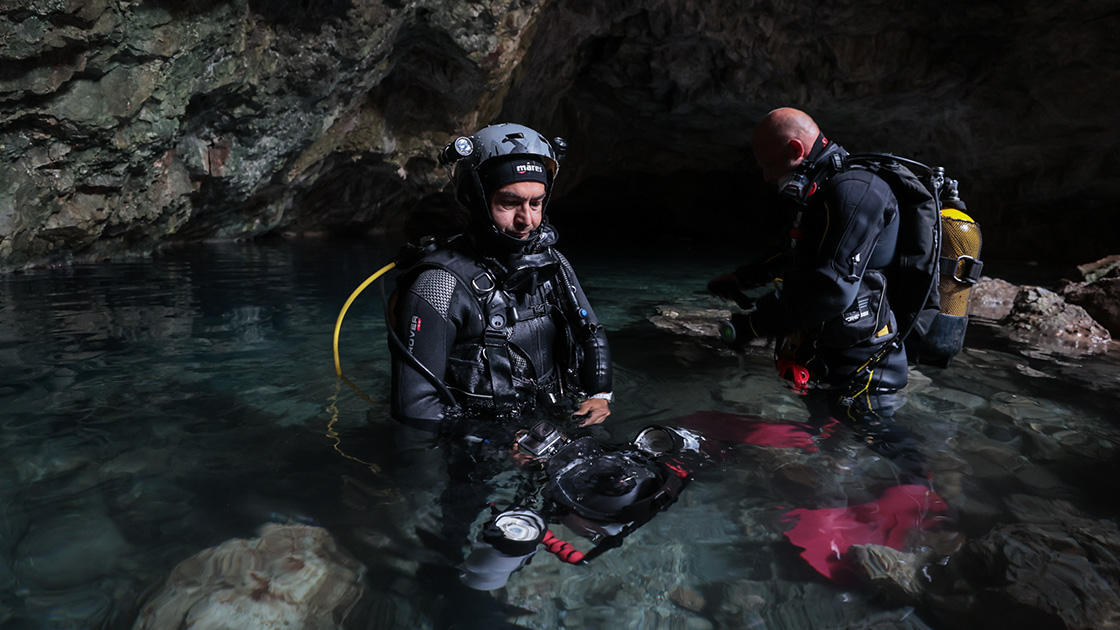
[69, 551]
[1054, 569]
[292, 576]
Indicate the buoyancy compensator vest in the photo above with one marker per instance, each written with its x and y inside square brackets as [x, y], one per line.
[492, 284]
[937, 254]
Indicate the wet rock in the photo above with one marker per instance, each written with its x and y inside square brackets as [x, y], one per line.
[1107, 267]
[291, 576]
[1100, 299]
[1056, 569]
[702, 323]
[126, 125]
[687, 598]
[898, 572]
[992, 298]
[69, 550]
[1044, 320]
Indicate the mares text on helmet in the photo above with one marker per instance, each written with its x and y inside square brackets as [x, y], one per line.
[528, 167]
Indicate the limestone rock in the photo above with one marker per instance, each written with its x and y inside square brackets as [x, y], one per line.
[992, 298]
[125, 125]
[1043, 319]
[1107, 267]
[692, 322]
[292, 576]
[898, 571]
[1048, 571]
[1100, 299]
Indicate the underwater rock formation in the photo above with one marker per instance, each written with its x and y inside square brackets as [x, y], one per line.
[1055, 569]
[126, 125]
[291, 576]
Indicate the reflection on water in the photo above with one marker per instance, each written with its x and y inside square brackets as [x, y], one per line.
[150, 410]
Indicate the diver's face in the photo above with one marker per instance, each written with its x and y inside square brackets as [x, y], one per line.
[517, 208]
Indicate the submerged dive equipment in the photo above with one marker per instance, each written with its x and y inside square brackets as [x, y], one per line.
[601, 493]
[508, 542]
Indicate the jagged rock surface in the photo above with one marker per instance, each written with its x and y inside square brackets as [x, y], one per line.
[125, 125]
[292, 576]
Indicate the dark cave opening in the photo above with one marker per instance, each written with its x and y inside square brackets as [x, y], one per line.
[716, 208]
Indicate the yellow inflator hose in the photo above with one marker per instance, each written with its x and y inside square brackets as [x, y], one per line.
[342, 313]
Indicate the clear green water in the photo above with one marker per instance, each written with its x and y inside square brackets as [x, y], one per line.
[152, 409]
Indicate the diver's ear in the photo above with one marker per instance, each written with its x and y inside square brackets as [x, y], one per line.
[796, 150]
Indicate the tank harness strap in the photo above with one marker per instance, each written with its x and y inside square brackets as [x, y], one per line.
[965, 269]
[496, 345]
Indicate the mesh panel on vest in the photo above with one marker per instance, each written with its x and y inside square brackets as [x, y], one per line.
[435, 286]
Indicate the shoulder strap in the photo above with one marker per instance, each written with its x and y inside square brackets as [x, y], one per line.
[493, 305]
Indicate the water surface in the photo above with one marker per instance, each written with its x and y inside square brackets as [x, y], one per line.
[154, 408]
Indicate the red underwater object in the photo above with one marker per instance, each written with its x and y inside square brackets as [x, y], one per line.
[732, 427]
[563, 550]
[826, 534]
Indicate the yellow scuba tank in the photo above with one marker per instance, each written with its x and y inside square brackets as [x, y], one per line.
[960, 243]
[959, 268]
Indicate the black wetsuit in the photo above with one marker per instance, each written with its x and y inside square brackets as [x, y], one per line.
[503, 332]
[831, 313]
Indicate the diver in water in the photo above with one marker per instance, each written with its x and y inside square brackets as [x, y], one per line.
[491, 332]
[494, 321]
[831, 313]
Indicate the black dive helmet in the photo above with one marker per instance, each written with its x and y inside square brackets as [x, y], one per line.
[502, 142]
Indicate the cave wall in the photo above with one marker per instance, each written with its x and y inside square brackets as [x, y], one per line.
[128, 124]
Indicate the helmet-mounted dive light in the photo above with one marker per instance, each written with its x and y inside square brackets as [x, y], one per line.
[560, 146]
[459, 148]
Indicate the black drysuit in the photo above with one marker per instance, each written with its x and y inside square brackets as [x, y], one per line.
[831, 312]
[502, 332]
